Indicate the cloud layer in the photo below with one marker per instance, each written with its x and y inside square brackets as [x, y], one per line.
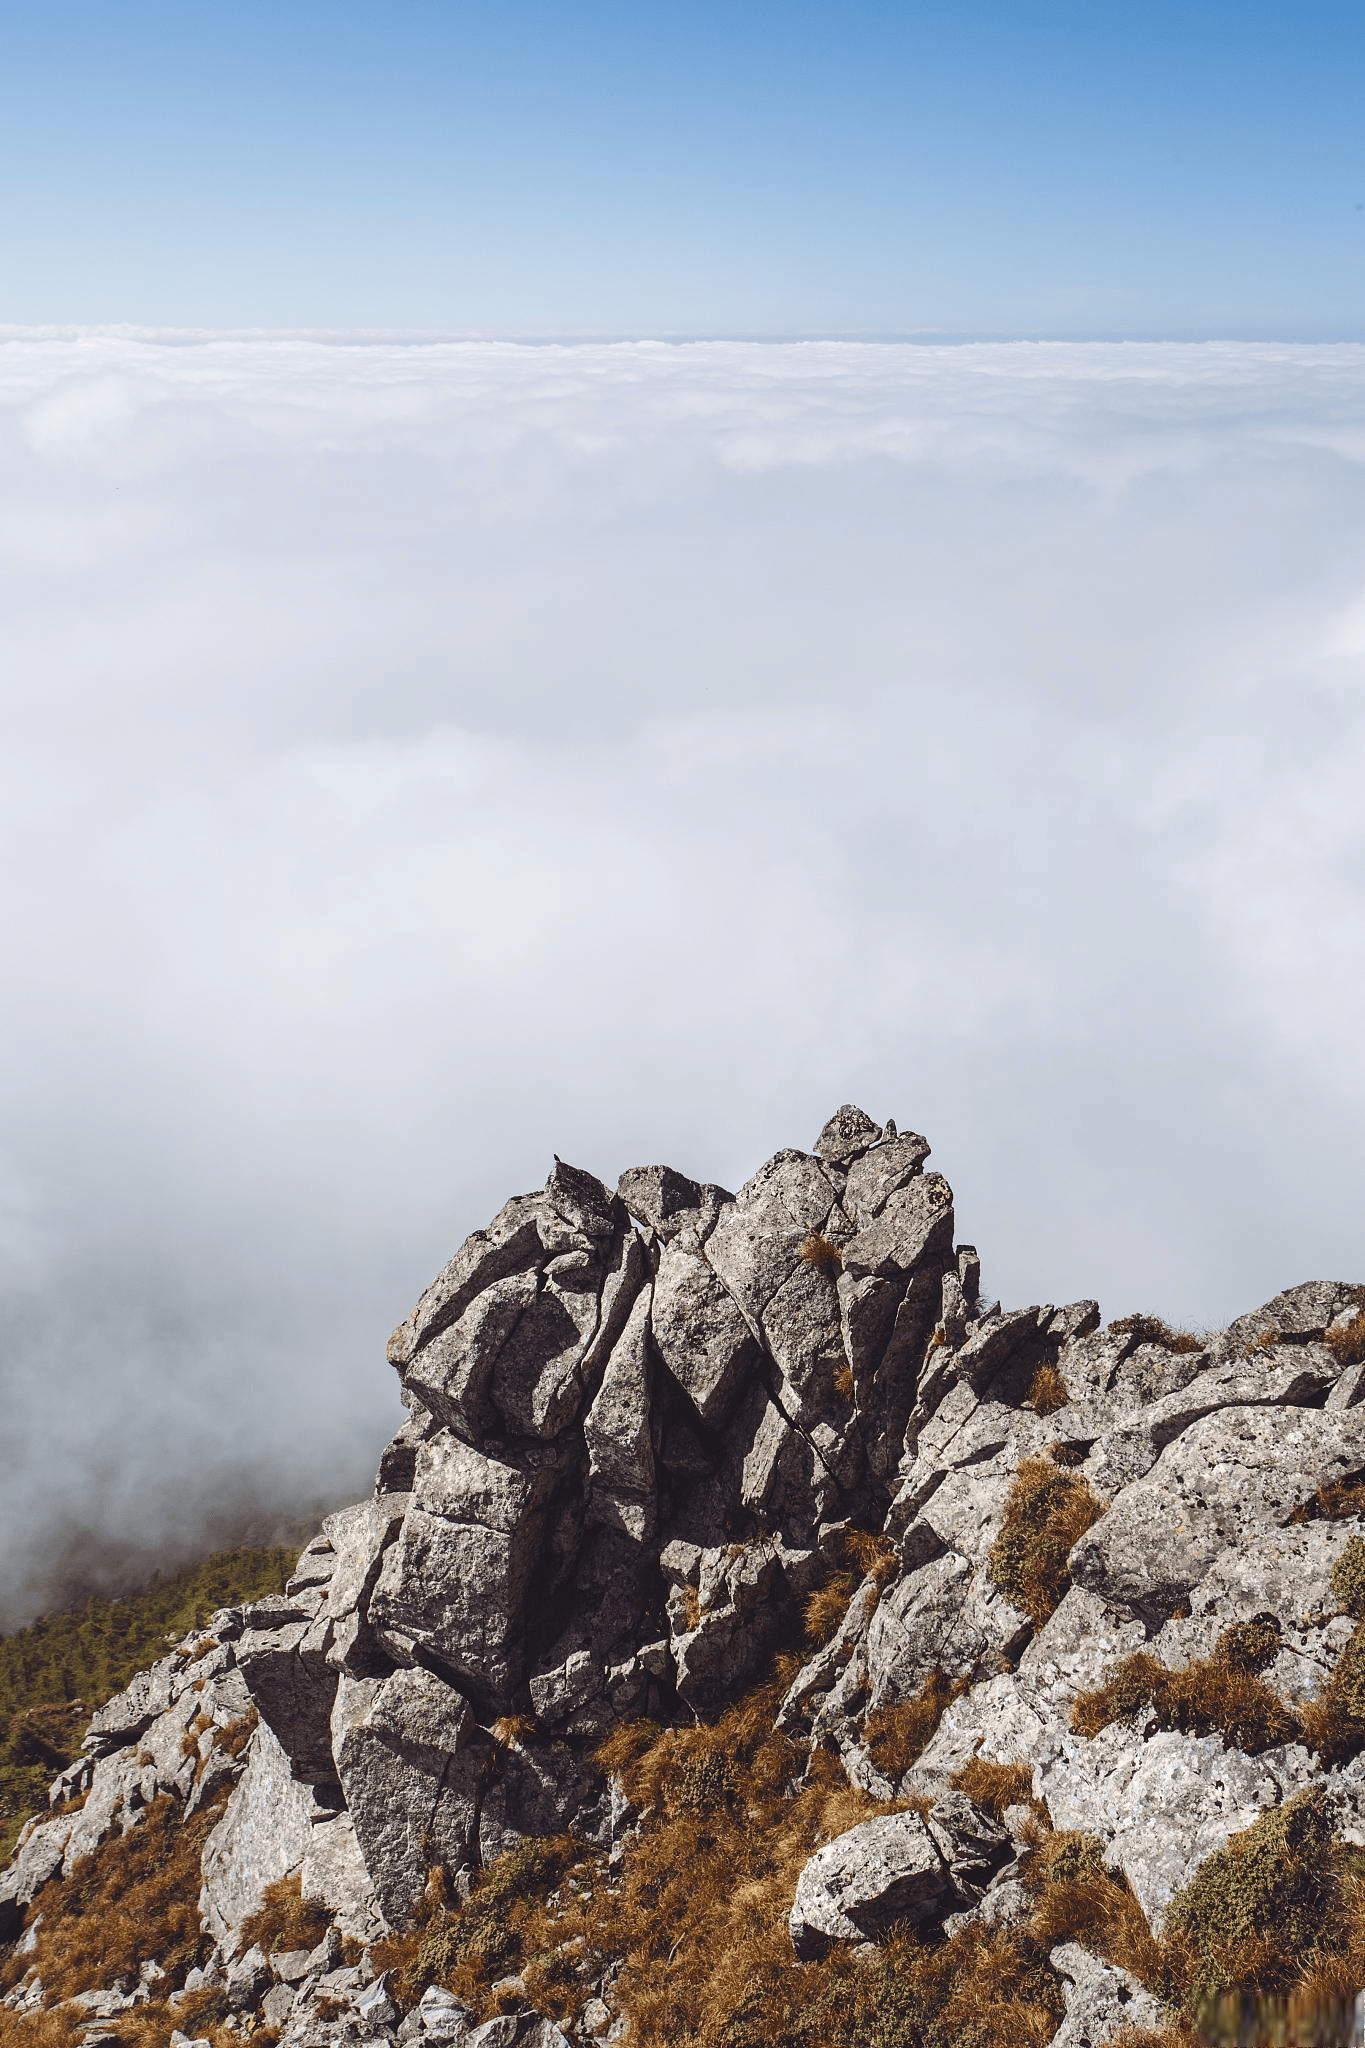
[423, 757]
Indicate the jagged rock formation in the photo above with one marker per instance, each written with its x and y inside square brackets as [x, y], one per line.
[640, 1429]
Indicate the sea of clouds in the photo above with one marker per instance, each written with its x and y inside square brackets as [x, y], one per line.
[422, 757]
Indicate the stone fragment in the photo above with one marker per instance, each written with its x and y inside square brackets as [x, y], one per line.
[282, 1656]
[858, 1885]
[456, 1578]
[1102, 2000]
[670, 1203]
[847, 1135]
[617, 1434]
[877, 1175]
[262, 1836]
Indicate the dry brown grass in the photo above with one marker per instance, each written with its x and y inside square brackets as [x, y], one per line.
[827, 1258]
[1047, 1391]
[1267, 1341]
[1348, 1341]
[1152, 1330]
[826, 1607]
[895, 1735]
[1338, 1502]
[699, 1915]
[995, 1786]
[284, 1919]
[1076, 1899]
[1048, 1510]
[875, 1556]
[135, 1897]
[1212, 1695]
[1224, 1694]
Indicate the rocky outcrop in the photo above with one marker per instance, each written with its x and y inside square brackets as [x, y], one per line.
[642, 1427]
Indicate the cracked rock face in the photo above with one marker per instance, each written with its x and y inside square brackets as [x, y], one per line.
[642, 1426]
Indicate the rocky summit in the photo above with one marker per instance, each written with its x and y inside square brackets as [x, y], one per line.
[1033, 1607]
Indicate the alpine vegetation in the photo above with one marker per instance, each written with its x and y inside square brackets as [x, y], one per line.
[756, 1638]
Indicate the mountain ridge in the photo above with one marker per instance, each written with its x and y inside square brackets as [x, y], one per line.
[735, 1537]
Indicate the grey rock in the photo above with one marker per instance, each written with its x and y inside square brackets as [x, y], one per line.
[849, 1133]
[700, 1334]
[877, 1175]
[248, 1979]
[122, 1719]
[1101, 1999]
[1296, 1376]
[858, 1885]
[671, 1204]
[457, 1575]
[1228, 1476]
[1307, 1310]
[291, 1965]
[617, 1433]
[738, 1617]
[1162, 1804]
[277, 2005]
[282, 1656]
[262, 1836]
[411, 1773]
[971, 1842]
[755, 1246]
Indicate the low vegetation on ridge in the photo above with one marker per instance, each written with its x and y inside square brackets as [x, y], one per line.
[55, 1672]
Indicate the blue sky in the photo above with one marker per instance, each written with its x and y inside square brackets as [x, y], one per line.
[976, 168]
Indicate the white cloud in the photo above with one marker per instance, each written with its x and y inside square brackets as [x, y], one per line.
[422, 757]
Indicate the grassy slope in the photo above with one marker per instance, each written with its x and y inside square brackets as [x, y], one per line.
[54, 1673]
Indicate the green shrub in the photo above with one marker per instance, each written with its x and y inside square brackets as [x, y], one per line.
[55, 1672]
[1256, 1909]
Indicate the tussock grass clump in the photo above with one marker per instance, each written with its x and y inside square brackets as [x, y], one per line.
[1225, 1694]
[1222, 1694]
[826, 1258]
[862, 1555]
[826, 1607]
[1047, 1391]
[895, 1735]
[284, 1919]
[995, 1786]
[1152, 1330]
[1339, 1502]
[1048, 1510]
[1347, 1340]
